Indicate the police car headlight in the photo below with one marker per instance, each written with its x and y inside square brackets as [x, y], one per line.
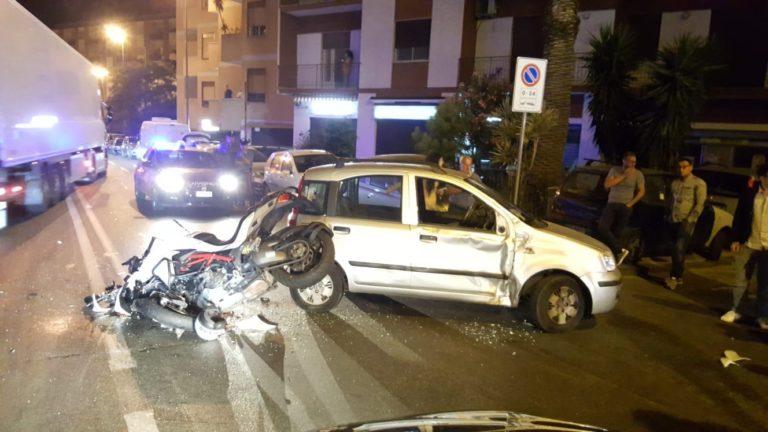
[609, 262]
[228, 182]
[170, 181]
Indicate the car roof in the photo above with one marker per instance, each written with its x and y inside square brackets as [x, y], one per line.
[306, 152]
[345, 169]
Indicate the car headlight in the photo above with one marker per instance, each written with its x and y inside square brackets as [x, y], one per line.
[609, 262]
[228, 182]
[170, 181]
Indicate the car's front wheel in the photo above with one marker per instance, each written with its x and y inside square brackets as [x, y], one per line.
[557, 304]
[322, 296]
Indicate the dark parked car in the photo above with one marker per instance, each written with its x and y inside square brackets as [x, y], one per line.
[580, 200]
[187, 178]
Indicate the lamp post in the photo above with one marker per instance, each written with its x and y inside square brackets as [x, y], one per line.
[117, 34]
[101, 73]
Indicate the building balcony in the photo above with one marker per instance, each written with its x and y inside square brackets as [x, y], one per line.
[229, 113]
[325, 77]
[302, 8]
[503, 68]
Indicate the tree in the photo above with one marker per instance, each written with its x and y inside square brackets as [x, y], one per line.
[461, 122]
[678, 87]
[610, 65]
[140, 93]
[562, 25]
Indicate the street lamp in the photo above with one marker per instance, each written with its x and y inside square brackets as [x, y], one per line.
[117, 34]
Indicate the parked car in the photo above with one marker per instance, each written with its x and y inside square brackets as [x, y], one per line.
[257, 157]
[580, 200]
[187, 178]
[284, 168]
[724, 184]
[398, 232]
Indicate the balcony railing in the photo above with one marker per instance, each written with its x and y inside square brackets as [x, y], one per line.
[320, 76]
[503, 68]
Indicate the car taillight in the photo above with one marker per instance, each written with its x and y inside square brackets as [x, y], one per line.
[284, 198]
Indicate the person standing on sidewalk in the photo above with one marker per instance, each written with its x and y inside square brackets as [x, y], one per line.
[689, 193]
[626, 187]
[750, 247]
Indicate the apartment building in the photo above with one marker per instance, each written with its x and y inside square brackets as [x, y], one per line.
[236, 49]
[384, 65]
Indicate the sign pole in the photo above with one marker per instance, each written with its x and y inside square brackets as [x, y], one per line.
[519, 171]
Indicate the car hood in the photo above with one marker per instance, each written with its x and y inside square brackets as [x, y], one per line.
[469, 420]
[573, 235]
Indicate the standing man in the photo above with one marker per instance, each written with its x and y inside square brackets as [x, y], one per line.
[750, 247]
[626, 187]
[688, 194]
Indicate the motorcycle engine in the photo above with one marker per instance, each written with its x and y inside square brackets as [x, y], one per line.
[220, 288]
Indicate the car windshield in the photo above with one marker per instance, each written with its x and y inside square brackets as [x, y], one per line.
[306, 162]
[185, 159]
[504, 202]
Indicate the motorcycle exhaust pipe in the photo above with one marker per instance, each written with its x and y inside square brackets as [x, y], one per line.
[267, 256]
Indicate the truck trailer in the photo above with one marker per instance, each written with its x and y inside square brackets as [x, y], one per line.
[51, 125]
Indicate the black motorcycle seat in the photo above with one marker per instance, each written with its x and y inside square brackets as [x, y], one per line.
[211, 239]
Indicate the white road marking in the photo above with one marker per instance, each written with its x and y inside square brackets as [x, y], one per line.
[244, 396]
[138, 417]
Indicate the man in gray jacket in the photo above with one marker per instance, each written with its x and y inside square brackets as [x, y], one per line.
[688, 194]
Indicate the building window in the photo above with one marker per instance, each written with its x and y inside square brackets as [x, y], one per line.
[208, 92]
[257, 30]
[257, 85]
[412, 40]
[208, 39]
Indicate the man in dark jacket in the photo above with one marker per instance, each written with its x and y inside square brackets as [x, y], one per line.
[750, 246]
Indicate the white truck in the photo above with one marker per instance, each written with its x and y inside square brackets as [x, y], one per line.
[51, 125]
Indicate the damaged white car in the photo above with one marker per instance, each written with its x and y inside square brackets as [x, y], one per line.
[418, 230]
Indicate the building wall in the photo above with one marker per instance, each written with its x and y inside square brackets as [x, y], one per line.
[676, 24]
[377, 42]
[445, 43]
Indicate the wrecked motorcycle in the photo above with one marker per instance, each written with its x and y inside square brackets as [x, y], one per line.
[207, 285]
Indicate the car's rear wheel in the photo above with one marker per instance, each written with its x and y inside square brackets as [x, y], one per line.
[557, 304]
[717, 245]
[322, 296]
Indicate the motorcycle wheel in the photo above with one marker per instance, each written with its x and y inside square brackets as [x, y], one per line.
[205, 327]
[150, 308]
[321, 261]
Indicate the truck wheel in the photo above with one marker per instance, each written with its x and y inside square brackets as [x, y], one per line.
[322, 296]
[46, 190]
[556, 304]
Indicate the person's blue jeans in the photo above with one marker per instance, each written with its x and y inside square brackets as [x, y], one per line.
[612, 222]
[683, 231]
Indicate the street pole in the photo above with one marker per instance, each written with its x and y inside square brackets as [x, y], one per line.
[245, 110]
[518, 174]
[122, 53]
[186, 65]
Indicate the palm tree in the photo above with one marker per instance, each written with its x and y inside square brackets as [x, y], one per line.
[220, 10]
[562, 25]
[678, 88]
[610, 65]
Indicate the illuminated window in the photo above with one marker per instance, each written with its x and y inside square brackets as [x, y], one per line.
[208, 39]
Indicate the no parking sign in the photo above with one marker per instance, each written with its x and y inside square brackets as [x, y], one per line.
[529, 85]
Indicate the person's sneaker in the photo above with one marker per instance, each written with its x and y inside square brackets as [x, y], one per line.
[622, 256]
[730, 316]
[673, 282]
[763, 323]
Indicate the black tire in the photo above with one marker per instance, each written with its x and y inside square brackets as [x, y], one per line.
[324, 295]
[557, 304]
[716, 246]
[142, 204]
[47, 186]
[320, 261]
[150, 308]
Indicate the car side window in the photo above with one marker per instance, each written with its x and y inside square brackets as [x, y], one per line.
[371, 197]
[441, 203]
[583, 183]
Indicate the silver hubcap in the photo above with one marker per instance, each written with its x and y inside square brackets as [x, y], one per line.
[318, 293]
[563, 305]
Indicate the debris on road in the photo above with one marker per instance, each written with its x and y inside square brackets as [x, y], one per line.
[731, 357]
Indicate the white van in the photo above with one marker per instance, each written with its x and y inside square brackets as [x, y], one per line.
[160, 132]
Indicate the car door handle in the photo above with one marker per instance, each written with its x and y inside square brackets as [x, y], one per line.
[428, 238]
[341, 229]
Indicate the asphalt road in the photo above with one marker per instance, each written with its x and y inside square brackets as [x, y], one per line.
[651, 364]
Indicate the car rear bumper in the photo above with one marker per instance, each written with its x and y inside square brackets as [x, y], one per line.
[605, 288]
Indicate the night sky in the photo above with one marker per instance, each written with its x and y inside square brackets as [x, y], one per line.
[56, 13]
